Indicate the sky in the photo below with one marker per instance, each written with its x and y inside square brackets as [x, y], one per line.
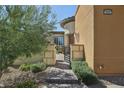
[62, 12]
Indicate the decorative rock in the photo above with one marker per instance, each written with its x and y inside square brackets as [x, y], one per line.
[2, 86]
[14, 76]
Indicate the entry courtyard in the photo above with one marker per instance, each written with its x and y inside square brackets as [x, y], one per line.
[42, 48]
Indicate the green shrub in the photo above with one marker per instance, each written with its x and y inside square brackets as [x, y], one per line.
[27, 84]
[38, 67]
[33, 67]
[78, 59]
[84, 73]
[25, 67]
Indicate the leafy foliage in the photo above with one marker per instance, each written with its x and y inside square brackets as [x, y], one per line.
[24, 30]
[84, 73]
[37, 67]
[25, 67]
[33, 67]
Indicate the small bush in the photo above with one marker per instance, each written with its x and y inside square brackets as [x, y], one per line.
[37, 67]
[78, 59]
[27, 84]
[84, 73]
[25, 67]
[33, 67]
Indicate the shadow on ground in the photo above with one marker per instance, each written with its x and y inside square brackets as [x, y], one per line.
[98, 85]
[117, 80]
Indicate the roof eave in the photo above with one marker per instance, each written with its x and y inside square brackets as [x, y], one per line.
[67, 20]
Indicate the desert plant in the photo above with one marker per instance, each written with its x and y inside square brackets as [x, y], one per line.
[33, 67]
[43, 66]
[25, 67]
[37, 67]
[84, 73]
[27, 84]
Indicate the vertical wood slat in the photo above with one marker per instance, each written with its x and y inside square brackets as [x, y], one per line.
[46, 57]
[76, 52]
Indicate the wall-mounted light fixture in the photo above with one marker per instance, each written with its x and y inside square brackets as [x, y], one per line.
[101, 67]
[107, 11]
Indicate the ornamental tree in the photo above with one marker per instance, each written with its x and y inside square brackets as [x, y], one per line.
[24, 30]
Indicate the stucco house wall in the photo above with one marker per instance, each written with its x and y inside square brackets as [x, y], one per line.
[70, 26]
[102, 36]
[109, 40]
[84, 31]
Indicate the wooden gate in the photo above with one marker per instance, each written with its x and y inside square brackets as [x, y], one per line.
[77, 52]
[49, 56]
[67, 54]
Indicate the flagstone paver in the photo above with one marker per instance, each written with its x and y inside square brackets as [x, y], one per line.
[61, 76]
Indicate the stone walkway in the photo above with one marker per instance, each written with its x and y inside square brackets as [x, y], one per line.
[60, 56]
[61, 76]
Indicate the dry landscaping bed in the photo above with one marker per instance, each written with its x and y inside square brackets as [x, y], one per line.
[13, 76]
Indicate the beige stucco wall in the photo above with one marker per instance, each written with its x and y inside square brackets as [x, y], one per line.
[70, 26]
[66, 39]
[84, 30]
[109, 40]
